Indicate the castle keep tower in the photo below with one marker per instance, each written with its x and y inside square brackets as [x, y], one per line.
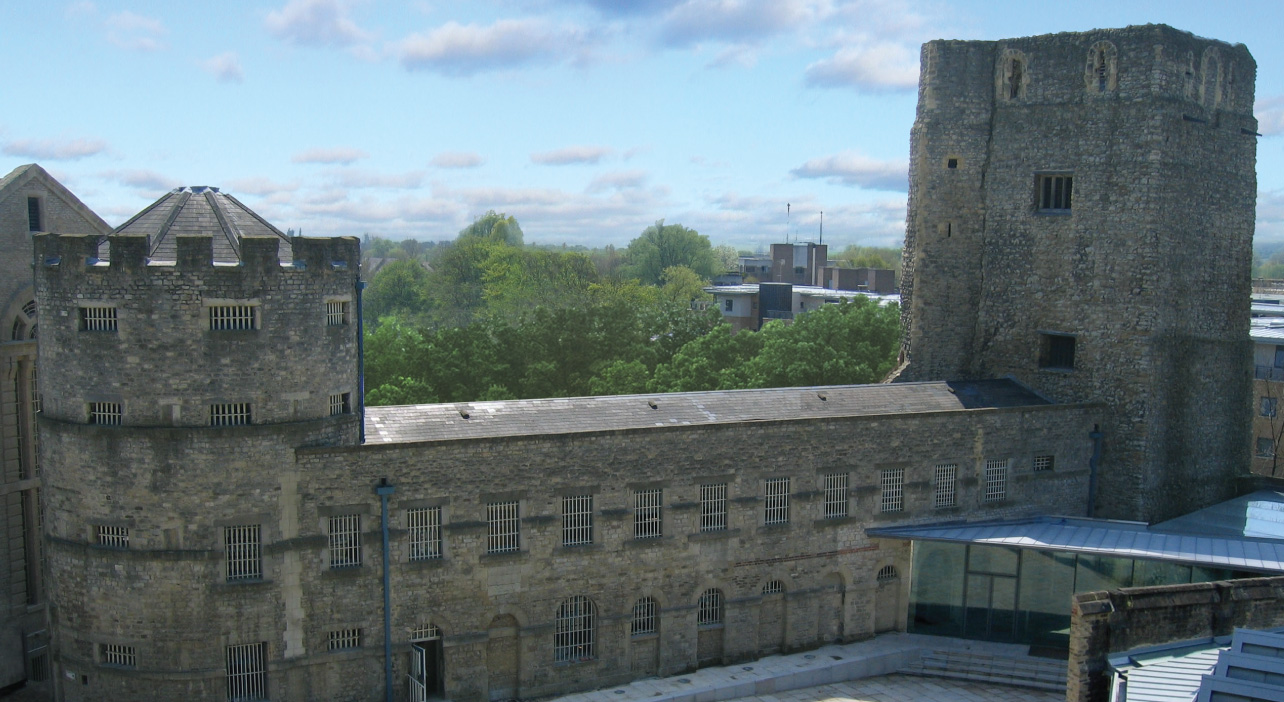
[1081, 216]
[184, 369]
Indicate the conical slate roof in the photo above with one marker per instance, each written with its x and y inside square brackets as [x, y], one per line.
[200, 210]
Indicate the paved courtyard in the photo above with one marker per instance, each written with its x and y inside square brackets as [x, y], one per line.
[908, 688]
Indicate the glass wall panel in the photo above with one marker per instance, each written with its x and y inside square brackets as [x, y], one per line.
[1145, 573]
[1095, 573]
[936, 599]
[1047, 584]
[1199, 574]
[1000, 560]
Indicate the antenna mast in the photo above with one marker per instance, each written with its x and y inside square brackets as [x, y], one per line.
[822, 226]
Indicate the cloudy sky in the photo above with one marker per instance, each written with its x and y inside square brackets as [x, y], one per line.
[585, 119]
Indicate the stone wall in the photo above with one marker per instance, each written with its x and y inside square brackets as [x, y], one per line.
[1106, 623]
[1147, 269]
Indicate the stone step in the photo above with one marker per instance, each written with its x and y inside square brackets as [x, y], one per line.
[1023, 671]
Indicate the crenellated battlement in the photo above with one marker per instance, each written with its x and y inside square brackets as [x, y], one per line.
[73, 253]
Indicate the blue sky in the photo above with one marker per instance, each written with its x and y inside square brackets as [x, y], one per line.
[586, 119]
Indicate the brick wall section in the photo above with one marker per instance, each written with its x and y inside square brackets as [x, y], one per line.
[1148, 270]
[1106, 623]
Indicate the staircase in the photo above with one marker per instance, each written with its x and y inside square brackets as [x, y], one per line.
[1004, 668]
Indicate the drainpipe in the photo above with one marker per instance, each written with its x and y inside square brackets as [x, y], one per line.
[361, 366]
[1093, 464]
[383, 490]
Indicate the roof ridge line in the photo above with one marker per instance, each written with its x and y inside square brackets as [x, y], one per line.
[183, 197]
[255, 215]
[233, 238]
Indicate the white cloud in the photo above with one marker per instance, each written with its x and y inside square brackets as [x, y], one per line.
[762, 221]
[154, 183]
[617, 180]
[1270, 116]
[571, 155]
[880, 67]
[260, 186]
[315, 23]
[341, 155]
[736, 21]
[225, 67]
[55, 149]
[129, 30]
[457, 159]
[455, 49]
[357, 178]
[851, 168]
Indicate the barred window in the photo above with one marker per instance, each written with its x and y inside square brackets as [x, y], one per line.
[424, 526]
[835, 495]
[244, 552]
[709, 608]
[229, 414]
[247, 672]
[892, 486]
[98, 319]
[339, 404]
[344, 639]
[945, 485]
[573, 639]
[233, 317]
[117, 654]
[113, 536]
[887, 574]
[503, 530]
[104, 413]
[777, 501]
[1042, 463]
[1055, 192]
[345, 541]
[646, 513]
[1056, 351]
[577, 520]
[996, 480]
[773, 587]
[336, 313]
[713, 507]
[643, 617]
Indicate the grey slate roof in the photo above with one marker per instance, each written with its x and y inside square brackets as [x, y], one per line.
[444, 422]
[21, 175]
[204, 211]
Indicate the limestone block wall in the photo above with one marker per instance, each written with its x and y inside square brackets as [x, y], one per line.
[1146, 268]
[1106, 623]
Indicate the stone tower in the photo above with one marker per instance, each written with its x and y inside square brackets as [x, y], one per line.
[1081, 217]
[182, 372]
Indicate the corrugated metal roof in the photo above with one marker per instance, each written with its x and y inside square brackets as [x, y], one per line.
[582, 414]
[1183, 671]
[1109, 538]
[1170, 676]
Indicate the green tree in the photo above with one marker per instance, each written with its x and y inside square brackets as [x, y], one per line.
[399, 288]
[664, 245]
[725, 258]
[715, 361]
[848, 343]
[683, 286]
[494, 226]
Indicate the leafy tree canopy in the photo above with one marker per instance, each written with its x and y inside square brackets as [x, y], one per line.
[494, 226]
[665, 245]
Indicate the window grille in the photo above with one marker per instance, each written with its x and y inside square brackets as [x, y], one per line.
[33, 215]
[98, 319]
[39, 666]
[646, 513]
[1056, 351]
[573, 640]
[244, 552]
[104, 413]
[773, 587]
[34, 397]
[116, 654]
[344, 639]
[1055, 192]
[229, 414]
[777, 501]
[577, 520]
[503, 530]
[247, 672]
[892, 485]
[713, 507]
[345, 541]
[424, 526]
[113, 536]
[945, 485]
[1265, 447]
[709, 608]
[1269, 406]
[336, 313]
[1042, 463]
[233, 317]
[339, 404]
[835, 495]
[887, 574]
[996, 480]
[425, 632]
[643, 617]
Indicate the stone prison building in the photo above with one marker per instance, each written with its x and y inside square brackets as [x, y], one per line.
[223, 519]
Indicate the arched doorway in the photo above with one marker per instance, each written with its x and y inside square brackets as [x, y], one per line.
[771, 618]
[887, 600]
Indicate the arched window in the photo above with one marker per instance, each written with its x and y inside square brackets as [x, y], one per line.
[709, 608]
[887, 574]
[644, 621]
[24, 323]
[1100, 75]
[573, 640]
[1014, 80]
